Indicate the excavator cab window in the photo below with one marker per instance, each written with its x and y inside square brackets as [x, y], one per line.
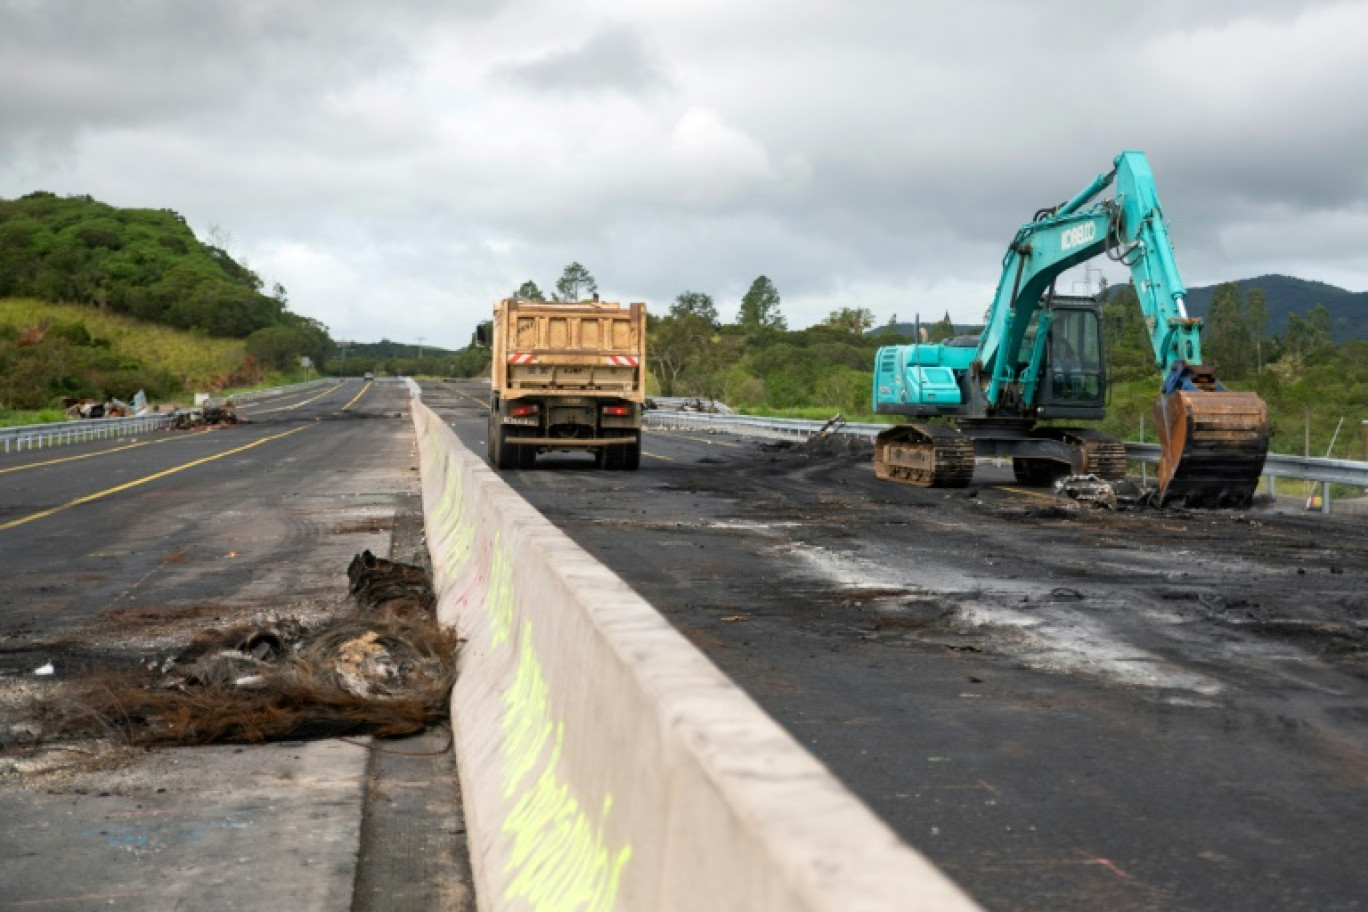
[1074, 374]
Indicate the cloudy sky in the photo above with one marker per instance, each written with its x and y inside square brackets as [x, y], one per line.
[398, 166]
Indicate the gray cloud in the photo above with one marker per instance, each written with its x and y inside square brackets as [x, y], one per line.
[68, 64]
[396, 167]
[616, 58]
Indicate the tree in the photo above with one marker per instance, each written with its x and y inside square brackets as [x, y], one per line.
[680, 347]
[528, 291]
[575, 284]
[854, 320]
[1223, 340]
[941, 330]
[696, 303]
[1256, 316]
[760, 306]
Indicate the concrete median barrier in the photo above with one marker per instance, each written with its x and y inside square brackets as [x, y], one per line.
[605, 762]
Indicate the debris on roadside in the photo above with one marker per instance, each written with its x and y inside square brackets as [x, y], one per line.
[1093, 491]
[385, 668]
[83, 409]
[213, 412]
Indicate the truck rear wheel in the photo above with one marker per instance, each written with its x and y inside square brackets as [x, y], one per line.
[527, 455]
[609, 457]
[505, 455]
[631, 456]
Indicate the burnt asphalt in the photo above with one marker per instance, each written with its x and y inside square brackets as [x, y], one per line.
[1063, 709]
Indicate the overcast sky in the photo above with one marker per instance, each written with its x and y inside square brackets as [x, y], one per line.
[398, 166]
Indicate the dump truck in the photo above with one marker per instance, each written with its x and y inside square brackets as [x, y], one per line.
[566, 376]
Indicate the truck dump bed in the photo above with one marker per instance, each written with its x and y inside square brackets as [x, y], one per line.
[587, 348]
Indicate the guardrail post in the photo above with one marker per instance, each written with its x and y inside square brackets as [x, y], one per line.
[1325, 497]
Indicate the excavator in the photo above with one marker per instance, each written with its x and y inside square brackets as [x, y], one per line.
[1040, 360]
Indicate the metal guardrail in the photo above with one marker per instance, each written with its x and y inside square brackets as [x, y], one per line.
[1278, 465]
[41, 436]
[772, 428]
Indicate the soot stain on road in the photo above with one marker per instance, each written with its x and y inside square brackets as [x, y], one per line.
[1063, 707]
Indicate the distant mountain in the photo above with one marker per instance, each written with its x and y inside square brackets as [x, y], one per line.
[1287, 295]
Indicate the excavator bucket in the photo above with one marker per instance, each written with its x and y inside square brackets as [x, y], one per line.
[926, 455]
[1212, 447]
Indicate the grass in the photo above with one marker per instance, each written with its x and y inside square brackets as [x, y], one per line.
[15, 417]
[195, 360]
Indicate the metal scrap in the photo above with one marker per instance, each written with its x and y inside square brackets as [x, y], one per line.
[1090, 490]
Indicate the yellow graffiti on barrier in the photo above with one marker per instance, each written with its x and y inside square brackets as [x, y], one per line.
[559, 854]
[499, 596]
[452, 516]
[559, 860]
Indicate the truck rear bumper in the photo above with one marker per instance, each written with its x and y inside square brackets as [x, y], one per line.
[573, 443]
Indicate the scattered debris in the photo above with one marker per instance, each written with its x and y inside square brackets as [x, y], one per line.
[385, 669]
[213, 412]
[79, 409]
[1109, 495]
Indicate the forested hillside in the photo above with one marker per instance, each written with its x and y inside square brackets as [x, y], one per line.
[1286, 297]
[402, 359]
[144, 265]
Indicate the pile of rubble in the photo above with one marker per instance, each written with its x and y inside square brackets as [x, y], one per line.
[386, 668]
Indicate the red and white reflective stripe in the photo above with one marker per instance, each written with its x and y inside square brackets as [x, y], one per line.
[621, 360]
[522, 358]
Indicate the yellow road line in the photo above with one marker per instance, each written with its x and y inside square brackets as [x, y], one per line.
[286, 408]
[365, 386]
[142, 481]
[1027, 493]
[130, 446]
[658, 456]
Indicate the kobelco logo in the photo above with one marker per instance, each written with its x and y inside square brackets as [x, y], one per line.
[1077, 236]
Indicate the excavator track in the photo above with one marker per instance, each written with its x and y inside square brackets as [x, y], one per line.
[1106, 455]
[926, 455]
[1102, 455]
[1212, 447]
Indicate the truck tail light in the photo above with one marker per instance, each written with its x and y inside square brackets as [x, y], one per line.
[618, 411]
[522, 411]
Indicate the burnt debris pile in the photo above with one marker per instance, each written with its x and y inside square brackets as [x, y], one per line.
[384, 668]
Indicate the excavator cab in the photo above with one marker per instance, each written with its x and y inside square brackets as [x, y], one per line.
[1073, 379]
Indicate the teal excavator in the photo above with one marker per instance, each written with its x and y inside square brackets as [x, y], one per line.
[1040, 360]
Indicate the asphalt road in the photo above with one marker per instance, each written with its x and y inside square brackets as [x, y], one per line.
[120, 552]
[1064, 709]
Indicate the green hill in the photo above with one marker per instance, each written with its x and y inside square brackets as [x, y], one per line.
[48, 351]
[100, 301]
[145, 263]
